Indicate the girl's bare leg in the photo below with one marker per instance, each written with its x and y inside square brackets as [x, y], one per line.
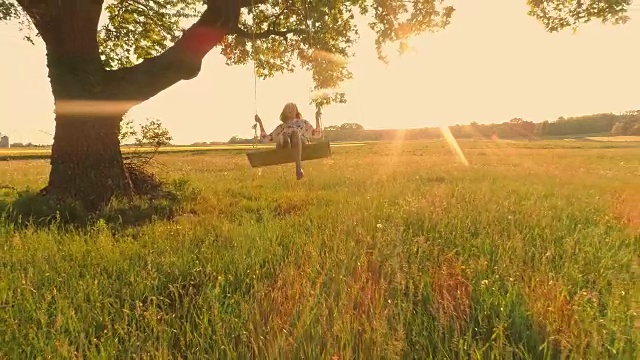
[296, 145]
[283, 143]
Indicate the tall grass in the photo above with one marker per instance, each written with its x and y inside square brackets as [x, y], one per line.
[383, 251]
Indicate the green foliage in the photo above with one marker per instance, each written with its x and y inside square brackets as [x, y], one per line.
[316, 35]
[152, 133]
[127, 130]
[8, 10]
[137, 30]
[322, 33]
[387, 251]
[557, 15]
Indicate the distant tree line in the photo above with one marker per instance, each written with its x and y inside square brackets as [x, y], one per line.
[27, 145]
[627, 123]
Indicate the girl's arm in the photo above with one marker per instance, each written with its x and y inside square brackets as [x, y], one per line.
[318, 116]
[317, 132]
[264, 137]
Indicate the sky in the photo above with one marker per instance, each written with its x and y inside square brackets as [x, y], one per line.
[493, 63]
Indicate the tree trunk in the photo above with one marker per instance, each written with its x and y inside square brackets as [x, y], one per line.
[86, 162]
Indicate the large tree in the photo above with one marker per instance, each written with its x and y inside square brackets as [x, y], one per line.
[106, 56]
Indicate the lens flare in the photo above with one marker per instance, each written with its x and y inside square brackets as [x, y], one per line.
[453, 144]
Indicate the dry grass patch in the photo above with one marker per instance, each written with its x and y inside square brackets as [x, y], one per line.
[280, 310]
[451, 294]
[626, 206]
[553, 313]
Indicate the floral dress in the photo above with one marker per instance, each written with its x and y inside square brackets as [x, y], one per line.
[304, 128]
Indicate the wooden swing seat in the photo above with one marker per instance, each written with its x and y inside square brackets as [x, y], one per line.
[312, 151]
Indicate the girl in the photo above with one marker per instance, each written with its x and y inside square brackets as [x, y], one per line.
[292, 133]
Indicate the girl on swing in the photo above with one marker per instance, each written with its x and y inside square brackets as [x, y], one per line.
[293, 133]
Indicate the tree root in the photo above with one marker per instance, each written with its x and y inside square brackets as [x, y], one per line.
[143, 182]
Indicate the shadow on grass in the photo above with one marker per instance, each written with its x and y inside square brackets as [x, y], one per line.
[27, 208]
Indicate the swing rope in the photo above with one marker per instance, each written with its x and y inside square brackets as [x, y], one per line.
[308, 22]
[255, 76]
[255, 68]
[253, 49]
[255, 79]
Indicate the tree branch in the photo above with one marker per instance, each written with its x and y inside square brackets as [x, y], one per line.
[264, 34]
[181, 61]
[271, 29]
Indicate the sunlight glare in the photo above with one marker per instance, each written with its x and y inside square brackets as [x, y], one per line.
[325, 55]
[395, 153]
[93, 108]
[325, 93]
[451, 140]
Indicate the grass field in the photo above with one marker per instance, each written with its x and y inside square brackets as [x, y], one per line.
[614, 138]
[38, 153]
[388, 250]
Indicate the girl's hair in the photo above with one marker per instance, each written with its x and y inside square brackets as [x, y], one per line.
[289, 106]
